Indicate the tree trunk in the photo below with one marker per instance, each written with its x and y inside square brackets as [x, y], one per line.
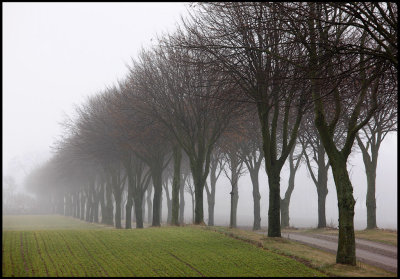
[128, 212]
[161, 199]
[69, 205]
[103, 206]
[96, 211]
[234, 202]
[60, 205]
[198, 196]
[321, 181]
[274, 226]
[74, 211]
[78, 206]
[133, 211]
[138, 211]
[182, 202]
[65, 205]
[169, 209]
[199, 213]
[322, 185]
[91, 212]
[169, 203]
[284, 213]
[211, 194]
[109, 206]
[157, 184]
[123, 208]
[143, 207]
[370, 163]
[322, 191]
[82, 206]
[176, 186]
[200, 168]
[346, 253]
[87, 218]
[211, 205]
[370, 200]
[193, 208]
[256, 199]
[285, 202]
[129, 198]
[118, 224]
[149, 205]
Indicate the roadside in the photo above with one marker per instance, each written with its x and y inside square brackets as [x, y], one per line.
[314, 257]
[385, 236]
[373, 253]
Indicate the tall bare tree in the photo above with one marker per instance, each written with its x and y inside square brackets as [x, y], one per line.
[179, 95]
[369, 140]
[235, 36]
[349, 98]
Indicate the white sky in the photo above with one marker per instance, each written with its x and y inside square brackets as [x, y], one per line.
[56, 54]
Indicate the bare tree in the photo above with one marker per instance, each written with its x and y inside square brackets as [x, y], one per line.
[251, 151]
[189, 188]
[314, 149]
[216, 166]
[230, 146]
[369, 140]
[179, 96]
[354, 80]
[379, 20]
[235, 36]
[294, 162]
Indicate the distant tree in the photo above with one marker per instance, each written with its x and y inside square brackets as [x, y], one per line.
[9, 187]
[182, 97]
[234, 167]
[216, 166]
[251, 151]
[369, 140]
[167, 175]
[190, 189]
[314, 152]
[15, 202]
[185, 172]
[294, 162]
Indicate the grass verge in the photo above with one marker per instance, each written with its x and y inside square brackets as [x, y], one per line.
[312, 257]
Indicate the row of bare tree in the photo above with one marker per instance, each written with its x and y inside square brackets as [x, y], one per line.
[235, 84]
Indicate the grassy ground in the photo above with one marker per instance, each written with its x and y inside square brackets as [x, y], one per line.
[60, 246]
[379, 235]
[315, 258]
[45, 222]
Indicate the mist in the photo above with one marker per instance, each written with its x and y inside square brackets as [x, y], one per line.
[55, 55]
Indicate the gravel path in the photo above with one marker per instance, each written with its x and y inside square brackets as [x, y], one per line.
[373, 253]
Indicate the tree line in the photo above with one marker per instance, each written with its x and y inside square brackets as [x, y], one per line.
[235, 85]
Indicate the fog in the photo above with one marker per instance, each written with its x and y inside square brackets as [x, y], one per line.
[57, 54]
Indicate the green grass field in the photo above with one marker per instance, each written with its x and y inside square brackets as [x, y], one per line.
[60, 246]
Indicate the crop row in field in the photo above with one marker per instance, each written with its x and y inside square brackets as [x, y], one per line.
[166, 251]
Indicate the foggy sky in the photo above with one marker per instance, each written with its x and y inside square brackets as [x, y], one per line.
[57, 54]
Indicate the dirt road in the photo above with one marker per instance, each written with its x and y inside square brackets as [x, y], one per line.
[373, 253]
